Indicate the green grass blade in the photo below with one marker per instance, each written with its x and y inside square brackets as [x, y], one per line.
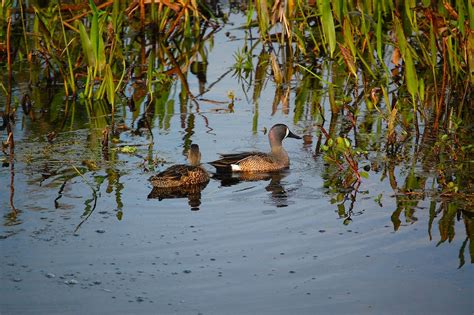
[86, 45]
[263, 17]
[109, 85]
[470, 9]
[470, 47]
[94, 35]
[348, 35]
[378, 35]
[410, 72]
[328, 25]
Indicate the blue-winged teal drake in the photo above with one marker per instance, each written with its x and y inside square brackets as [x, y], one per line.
[183, 175]
[275, 160]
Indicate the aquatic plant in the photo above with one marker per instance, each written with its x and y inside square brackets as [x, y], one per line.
[83, 45]
[409, 63]
[424, 48]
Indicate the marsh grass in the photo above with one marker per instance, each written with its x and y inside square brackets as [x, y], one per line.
[409, 62]
[424, 48]
[83, 45]
[420, 50]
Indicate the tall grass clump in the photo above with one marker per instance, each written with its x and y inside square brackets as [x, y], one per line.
[88, 49]
[391, 77]
[423, 48]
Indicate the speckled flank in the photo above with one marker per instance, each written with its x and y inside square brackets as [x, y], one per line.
[263, 163]
[180, 175]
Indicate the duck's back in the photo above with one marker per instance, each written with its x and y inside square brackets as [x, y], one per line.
[180, 175]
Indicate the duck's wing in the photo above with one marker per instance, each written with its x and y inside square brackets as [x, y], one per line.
[232, 158]
[175, 172]
[224, 164]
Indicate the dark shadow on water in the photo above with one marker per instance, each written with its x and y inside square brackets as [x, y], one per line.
[278, 193]
[193, 193]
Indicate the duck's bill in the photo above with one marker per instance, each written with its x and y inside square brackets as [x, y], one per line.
[292, 135]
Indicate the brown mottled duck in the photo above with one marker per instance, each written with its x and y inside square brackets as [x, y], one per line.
[181, 174]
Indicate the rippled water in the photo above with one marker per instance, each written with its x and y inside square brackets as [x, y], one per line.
[272, 245]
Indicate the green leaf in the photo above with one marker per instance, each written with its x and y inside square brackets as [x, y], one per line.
[128, 149]
[410, 72]
[470, 47]
[364, 174]
[402, 42]
[433, 49]
[337, 9]
[328, 25]
[94, 35]
[93, 7]
[461, 16]
[110, 86]
[101, 53]
[263, 16]
[422, 89]
[378, 35]
[409, 6]
[347, 143]
[96, 39]
[470, 9]
[348, 36]
[340, 143]
[86, 45]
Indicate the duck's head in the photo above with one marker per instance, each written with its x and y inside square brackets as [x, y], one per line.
[194, 155]
[279, 132]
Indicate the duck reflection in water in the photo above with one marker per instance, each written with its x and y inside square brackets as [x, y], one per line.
[192, 192]
[278, 196]
[181, 181]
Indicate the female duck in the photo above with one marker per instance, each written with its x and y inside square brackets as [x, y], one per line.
[183, 175]
[275, 160]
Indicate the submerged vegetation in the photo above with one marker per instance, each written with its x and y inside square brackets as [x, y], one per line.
[380, 84]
